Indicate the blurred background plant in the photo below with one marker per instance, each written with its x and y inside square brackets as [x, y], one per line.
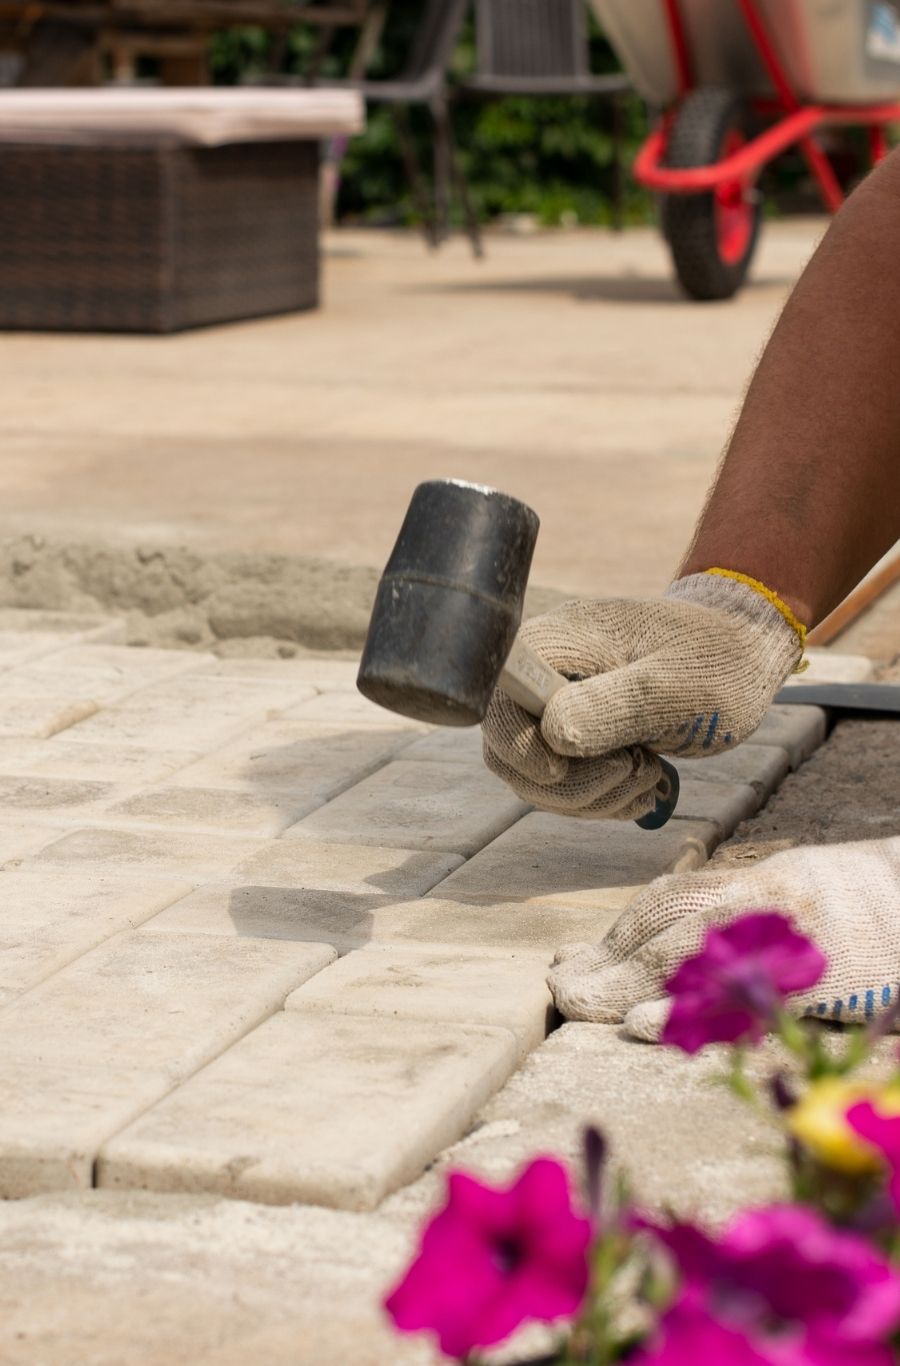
[550, 159]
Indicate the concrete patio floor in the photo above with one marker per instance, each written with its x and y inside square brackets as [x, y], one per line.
[565, 368]
[274, 959]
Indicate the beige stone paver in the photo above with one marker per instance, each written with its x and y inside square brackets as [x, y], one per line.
[147, 853]
[351, 708]
[352, 1111]
[760, 766]
[725, 805]
[189, 713]
[40, 717]
[311, 762]
[418, 806]
[562, 861]
[438, 983]
[49, 919]
[95, 1044]
[797, 730]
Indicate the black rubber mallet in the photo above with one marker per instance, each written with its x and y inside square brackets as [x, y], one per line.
[444, 628]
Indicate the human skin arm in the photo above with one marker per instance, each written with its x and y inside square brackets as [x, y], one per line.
[808, 496]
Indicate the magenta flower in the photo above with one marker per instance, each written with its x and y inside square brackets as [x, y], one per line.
[733, 989]
[492, 1259]
[782, 1287]
[883, 1132]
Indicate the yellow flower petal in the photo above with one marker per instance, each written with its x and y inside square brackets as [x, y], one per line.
[818, 1121]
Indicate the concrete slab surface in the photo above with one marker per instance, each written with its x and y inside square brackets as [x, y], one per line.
[564, 367]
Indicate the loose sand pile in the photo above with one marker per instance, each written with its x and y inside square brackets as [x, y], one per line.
[233, 604]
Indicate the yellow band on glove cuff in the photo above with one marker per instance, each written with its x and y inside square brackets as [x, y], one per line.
[771, 596]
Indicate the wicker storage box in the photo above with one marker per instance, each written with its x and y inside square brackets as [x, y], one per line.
[148, 233]
[151, 211]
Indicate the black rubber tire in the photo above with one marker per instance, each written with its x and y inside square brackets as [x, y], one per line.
[698, 133]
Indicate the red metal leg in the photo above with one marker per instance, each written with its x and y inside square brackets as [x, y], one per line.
[816, 160]
[746, 163]
[679, 46]
[879, 146]
[825, 178]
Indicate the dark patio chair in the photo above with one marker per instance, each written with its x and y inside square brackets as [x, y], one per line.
[424, 82]
[540, 47]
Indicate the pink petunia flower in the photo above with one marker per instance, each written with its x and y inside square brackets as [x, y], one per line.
[733, 989]
[492, 1259]
[883, 1132]
[782, 1287]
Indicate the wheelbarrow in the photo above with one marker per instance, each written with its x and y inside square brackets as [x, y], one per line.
[739, 83]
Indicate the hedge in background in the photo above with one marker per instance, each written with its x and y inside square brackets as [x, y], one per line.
[549, 157]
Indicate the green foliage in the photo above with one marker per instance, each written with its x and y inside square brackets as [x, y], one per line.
[550, 157]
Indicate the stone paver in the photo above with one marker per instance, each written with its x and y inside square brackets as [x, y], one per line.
[724, 805]
[419, 806]
[451, 744]
[348, 1111]
[102, 674]
[310, 762]
[562, 861]
[94, 1045]
[40, 717]
[436, 983]
[188, 713]
[200, 858]
[797, 730]
[20, 840]
[352, 709]
[27, 635]
[760, 766]
[62, 757]
[650, 1102]
[49, 919]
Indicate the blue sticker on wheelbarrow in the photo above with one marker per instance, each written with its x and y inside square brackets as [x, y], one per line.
[883, 37]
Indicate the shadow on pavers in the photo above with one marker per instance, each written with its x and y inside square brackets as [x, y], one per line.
[614, 289]
[313, 912]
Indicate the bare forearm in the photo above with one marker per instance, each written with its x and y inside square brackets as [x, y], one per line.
[808, 496]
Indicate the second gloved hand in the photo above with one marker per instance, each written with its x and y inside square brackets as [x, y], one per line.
[692, 673]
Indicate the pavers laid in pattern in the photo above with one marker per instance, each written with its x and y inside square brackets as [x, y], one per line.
[307, 761]
[202, 846]
[94, 1045]
[490, 987]
[419, 806]
[346, 1111]
[49, 919]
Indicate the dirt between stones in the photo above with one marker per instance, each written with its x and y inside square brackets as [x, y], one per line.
[274, 606]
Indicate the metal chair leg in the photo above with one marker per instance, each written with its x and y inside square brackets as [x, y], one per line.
[618, 178]
[443, 169]
[461, 188]
[423, 204]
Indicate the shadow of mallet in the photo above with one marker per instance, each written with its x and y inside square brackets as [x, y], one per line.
[444, 626]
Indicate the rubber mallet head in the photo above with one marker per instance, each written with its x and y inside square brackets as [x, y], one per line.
[449, 603]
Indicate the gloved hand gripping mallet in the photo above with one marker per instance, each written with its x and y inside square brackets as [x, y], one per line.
[443, 633]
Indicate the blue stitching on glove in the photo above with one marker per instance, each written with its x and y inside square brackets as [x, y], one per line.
[713, 727]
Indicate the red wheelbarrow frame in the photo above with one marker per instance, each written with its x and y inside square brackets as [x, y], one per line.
[795, 124]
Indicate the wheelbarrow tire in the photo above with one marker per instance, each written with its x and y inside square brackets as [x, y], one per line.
[710, 262]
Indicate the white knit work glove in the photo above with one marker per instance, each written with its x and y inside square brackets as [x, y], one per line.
[845, 897]
[688, 674]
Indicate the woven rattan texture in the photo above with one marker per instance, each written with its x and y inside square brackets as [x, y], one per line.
[155, 235]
